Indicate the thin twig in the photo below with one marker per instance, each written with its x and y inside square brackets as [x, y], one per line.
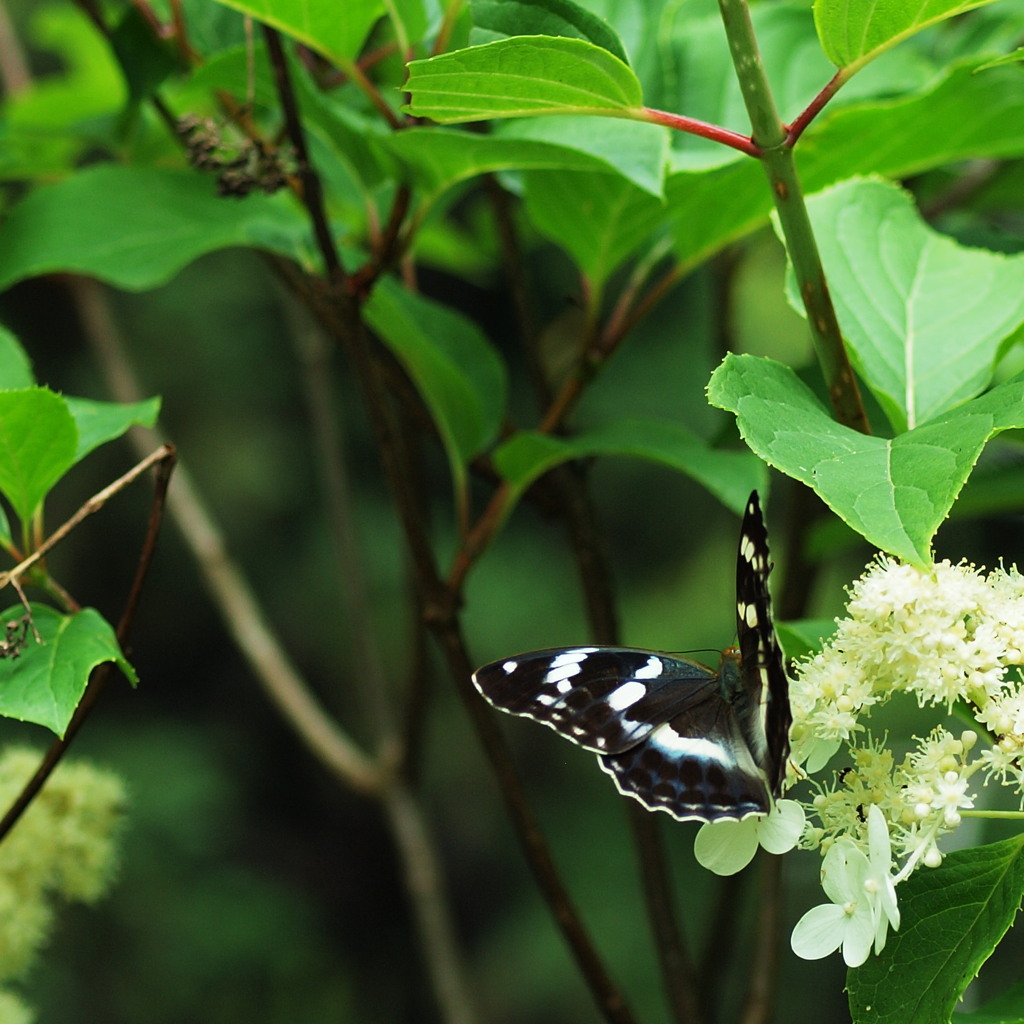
[678, 976]
[329, 744]
[93, 505]
[677, 972]
[350, 573]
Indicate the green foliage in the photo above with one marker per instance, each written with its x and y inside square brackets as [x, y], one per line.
[42, 435]
[927, 320]
[520, 77]
[136, 227]
[895, 492]
[46, 680]
[953, 918]
[853, 33]
[338, 35]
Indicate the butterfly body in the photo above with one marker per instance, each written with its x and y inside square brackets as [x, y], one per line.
[674, 734]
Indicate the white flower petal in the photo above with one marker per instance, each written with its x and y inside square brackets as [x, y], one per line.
[819, 932]
[781, 830]
[726, 847]
[858, 935]
[844, 871]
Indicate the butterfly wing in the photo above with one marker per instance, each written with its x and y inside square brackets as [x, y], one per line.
[660, 725]
[697, 765]
[762, 705]
[606, 699]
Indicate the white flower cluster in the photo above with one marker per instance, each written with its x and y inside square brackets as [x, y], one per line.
[948, 634]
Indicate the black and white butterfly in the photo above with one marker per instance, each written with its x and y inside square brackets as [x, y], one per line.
[673, 734]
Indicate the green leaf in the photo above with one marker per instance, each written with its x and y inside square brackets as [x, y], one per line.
[952, 918]
[336, 31]
[442, 157]
[927, 319]
[136, 227]
[853, 32]
[15, 366]
[455, 369]
[520, 77]
[46, 681]
[38, 439]
[53, 120]
[99, 422]
[896, 492]
[598, 219]
[497, 19]
[804, 636]
[635, 150]
[730, 476]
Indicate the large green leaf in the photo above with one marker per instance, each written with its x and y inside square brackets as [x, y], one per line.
[38, 440]
[441, 157]
[46, 681]
[136, 227]
[598, 219]
[520, 77]
[894, 492]
[497, 19]
[455, 369]
[636, 150]
[853, 32]
[730, 476]
[952, 918]
[927, 319]
[338, 31]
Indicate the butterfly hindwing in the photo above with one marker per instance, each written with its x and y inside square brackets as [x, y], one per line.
[673, 734]
[697, 765]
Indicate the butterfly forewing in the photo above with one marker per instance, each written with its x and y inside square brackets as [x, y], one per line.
[674, 735]
[606, 699]
[767, 717]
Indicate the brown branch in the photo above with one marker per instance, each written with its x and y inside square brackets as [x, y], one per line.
[312, 193]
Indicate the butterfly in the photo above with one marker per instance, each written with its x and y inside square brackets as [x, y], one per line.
[674, 734]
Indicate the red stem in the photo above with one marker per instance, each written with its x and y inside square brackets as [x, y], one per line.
[692, 126]
[811, 111]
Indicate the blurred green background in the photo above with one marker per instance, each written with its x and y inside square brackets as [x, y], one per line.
[253, 888]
